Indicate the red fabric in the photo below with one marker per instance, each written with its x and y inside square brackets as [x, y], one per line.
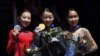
[24, 40]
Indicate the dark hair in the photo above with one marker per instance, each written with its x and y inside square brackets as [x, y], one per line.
[19, 15]
[48, 10]
[71, 9]
[51, 10]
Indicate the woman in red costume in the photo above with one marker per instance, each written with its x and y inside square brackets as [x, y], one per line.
[20, 37]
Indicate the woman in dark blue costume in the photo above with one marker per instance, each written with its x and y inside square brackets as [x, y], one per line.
[49, 43]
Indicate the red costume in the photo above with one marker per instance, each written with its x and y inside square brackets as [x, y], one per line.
[24, 40]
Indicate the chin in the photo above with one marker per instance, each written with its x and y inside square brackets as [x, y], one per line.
[25, 25]
[48, 24]
[73, 25]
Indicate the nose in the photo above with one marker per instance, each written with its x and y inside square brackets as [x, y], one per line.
[73, 18]
[26, 19]
[47, 19]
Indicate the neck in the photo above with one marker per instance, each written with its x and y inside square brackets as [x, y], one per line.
[74, 28]
[51, 26]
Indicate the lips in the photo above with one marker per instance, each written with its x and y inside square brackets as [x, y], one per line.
[73, 23]
[25, 24]
[48, 23]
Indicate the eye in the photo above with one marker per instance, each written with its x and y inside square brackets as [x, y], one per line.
[23, 17]
[73, 16]
[44, 17]
[70, 17]
[50, 17]
[29, 18]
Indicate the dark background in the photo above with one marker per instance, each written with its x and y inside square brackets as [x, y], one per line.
[88, 10]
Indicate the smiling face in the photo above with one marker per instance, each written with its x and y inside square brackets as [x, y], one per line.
[47, 18]
[25, 18]
[73, 18]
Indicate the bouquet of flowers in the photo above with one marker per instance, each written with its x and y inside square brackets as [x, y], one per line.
[53, 34]
[32, 51]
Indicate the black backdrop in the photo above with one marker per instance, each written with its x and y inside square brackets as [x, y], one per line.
[87, 9]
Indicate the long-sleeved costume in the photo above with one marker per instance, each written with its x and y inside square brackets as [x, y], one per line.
[20, 42]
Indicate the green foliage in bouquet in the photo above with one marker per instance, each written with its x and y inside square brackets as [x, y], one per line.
[52, 32]
[32, 52]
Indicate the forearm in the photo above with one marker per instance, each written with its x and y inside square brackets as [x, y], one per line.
[93, 47]
[10, 47]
